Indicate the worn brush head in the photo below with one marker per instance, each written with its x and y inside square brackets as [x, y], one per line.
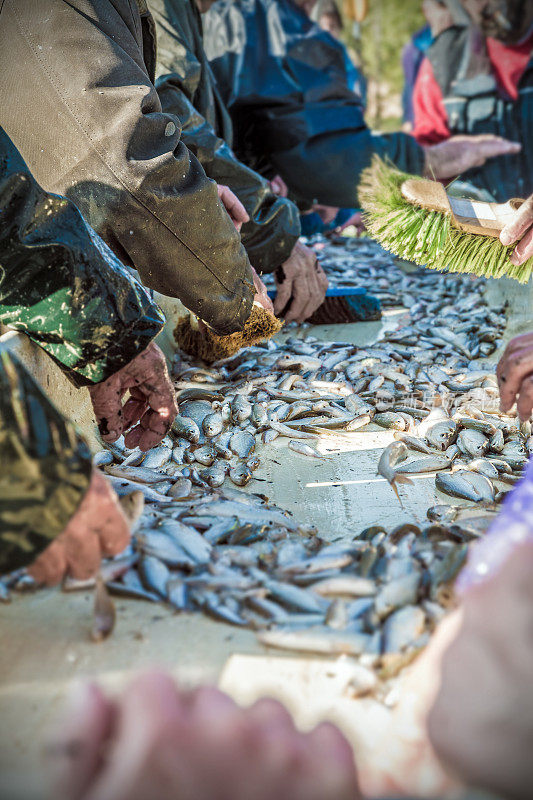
[416, 222]
[210, 346]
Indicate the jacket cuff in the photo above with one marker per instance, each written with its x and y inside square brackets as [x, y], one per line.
[107, 361]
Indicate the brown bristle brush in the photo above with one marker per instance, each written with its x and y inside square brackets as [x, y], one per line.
[210, 346]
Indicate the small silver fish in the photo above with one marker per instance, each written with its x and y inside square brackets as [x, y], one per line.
[393, 453]
[102, 458]
[324, 641]
[242, 444]
[304, 449]
[181, 488]
[104, 614]
[241, 474]
[186, 428]
[157, 457]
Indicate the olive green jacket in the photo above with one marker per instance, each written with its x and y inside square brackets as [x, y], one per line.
[77, 97]
[187, 89]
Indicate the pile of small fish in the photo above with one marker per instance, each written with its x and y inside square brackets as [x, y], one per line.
[201, 544]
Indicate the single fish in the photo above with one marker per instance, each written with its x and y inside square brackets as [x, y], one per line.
[102, 458]
[104, 614]
[188, 539]
[422, 464]
[442, 434]
[413, 443]
[472, 443]
[241, 475]
[304, 449]
[205, 455]
[213, 424]
[323, 640]
[294, 597]
[186, 428]
[122, 487]
[397, 593]
[154, 575]
[291, 433]
[136, 474]
[157, 457]
[241, 409]
[464, 484]
[393, 453]
[242, 444]
[389, 419]
[181, 489]
[402, 628]
[345, 585]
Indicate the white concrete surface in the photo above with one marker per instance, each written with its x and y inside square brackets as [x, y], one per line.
[45, 637]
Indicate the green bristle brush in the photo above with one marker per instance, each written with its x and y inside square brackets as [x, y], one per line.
[417, 220]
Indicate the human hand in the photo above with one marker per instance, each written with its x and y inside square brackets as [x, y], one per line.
[356, 220]
[302, 282]
[261, 294]
[515, 376]
[404, 764]
[326, 213]
[97, 529]
[157, 741]
[152, 403]
[460, 153]
[520, 230]
[481, 724]
[233, 206]
[279, 187]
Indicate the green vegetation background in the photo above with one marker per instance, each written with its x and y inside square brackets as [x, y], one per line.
[388, 26]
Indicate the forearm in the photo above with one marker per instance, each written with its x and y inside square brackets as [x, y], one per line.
[343, 156]
[63, 287]
[107, 145]
[274, 226]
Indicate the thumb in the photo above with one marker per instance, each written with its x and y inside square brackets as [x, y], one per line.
[283, 296]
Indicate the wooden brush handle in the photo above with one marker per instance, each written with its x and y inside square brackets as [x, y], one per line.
[484, 219]
[470, 216]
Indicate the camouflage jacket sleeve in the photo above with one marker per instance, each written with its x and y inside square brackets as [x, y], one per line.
[61, 285]
[47, 467]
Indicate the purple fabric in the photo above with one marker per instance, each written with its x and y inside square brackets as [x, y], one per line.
[512, 527]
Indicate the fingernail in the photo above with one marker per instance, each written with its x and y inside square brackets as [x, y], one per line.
[505, 238]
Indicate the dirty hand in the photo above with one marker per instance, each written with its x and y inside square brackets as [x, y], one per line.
[481, 724]
[302, 282]
[152, 401]
[515, 376]
[233, 206]
[520, 230]
[97, 529]
[261, 294]
[460, 153]
[156, 741]
[278, 186]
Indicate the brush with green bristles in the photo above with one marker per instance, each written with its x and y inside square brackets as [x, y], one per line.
[417, 220]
